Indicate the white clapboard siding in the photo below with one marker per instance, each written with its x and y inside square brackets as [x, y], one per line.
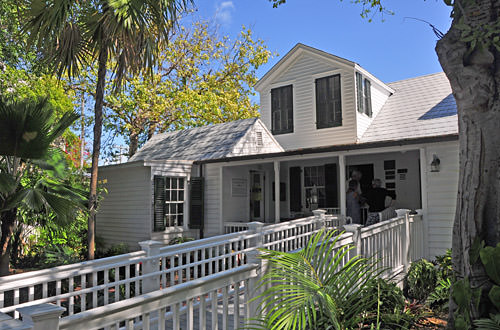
[379, 96]
[212, 200]
[302, 74]
[442, 190]
[124, 212]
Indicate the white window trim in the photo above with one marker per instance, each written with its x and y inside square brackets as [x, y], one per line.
[185, 222]
[342, 97]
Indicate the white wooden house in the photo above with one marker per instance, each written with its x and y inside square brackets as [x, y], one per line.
[321, 117]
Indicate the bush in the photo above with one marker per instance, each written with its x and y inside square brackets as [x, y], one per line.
[420, 280]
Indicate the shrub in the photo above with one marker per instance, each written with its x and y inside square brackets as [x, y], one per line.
[420, 280]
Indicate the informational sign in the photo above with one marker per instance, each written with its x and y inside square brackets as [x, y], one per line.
[239, 188]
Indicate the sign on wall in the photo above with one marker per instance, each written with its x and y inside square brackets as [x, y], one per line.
[239, 187]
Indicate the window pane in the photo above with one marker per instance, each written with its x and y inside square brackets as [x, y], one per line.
[180, 208]
[174, 183]
[173, 208]
[180, 220]
[167, 183]
[174, 195]
[167, 195]
[181, 183]
[181, 196]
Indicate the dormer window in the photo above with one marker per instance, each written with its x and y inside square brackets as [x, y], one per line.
[328, 102]
[364, 96]
[282, 110]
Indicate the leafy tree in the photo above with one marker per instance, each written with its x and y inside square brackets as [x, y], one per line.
[469, 54]
[201, 79]
[27, 131]
[72, 34]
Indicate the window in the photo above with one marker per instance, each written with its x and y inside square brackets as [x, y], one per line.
[328, 102]
[282, 110]
[314, 185]
[364, 97]
[168, 202]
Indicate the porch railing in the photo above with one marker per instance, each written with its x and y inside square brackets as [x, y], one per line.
[189, 271]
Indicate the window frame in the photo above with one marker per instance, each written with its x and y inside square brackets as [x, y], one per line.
[292, 103]
[363, 95]
[167, 202]
[315, 99]
[306, 188]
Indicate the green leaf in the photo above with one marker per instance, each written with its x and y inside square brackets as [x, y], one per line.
[490, 257]
[494, 296]
[7, 183]
[462, 293]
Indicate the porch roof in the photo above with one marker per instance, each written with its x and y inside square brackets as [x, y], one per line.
[338, 148]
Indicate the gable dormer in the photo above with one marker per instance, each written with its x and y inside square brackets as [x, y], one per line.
[310, 99]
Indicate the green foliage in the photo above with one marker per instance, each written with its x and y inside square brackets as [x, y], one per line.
[491, 323]
[311, 289]
[113, 250]
[201, 79]
[468, 298]
[420, 280]
[441, 294]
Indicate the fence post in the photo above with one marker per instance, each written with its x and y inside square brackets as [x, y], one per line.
[319, 217]
[355, 229]
[252, 258]
[151, 265]
[42, 317]
[406, 246]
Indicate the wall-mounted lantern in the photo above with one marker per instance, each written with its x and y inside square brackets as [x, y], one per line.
[435, 164]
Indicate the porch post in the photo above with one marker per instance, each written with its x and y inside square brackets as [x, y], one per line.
[221, 201]
[423, 191]
[342, 179]
[41, 317]
[276, 191]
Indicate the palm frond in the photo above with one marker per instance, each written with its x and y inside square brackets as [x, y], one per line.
[318, 284]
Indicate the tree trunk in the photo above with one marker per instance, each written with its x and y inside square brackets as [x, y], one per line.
[96, 149]
[475, 81]
[133, 144]
[8, 219]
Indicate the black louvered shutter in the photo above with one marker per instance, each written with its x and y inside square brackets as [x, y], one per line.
[295, 190]
[321, 103]
[196, 203]
[359, 91]
[337, 102]
[159, 203]
[368, 98]
[331, 185]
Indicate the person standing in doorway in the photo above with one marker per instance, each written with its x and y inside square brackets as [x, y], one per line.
[353, 207]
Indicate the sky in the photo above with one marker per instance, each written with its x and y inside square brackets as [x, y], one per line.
[392, 47]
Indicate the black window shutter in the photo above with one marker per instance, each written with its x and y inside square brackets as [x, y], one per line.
[337, 102]
[368, 98]
[159, 203]
[196, 203]
[331, 185]
[321, 103]
[295, 190]
[282, 109]
[359, 91]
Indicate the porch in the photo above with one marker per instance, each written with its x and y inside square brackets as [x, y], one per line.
[310, 182]
[205, 284]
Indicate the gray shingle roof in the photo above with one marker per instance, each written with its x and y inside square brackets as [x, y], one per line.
[200, 143]
[419, 107]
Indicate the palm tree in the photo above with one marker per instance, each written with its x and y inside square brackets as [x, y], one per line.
[72, 34]
[316, 288]
[27, 132]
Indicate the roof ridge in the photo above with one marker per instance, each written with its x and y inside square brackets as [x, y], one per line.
[418, 77]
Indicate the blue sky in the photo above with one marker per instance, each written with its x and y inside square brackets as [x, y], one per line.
[394, 49]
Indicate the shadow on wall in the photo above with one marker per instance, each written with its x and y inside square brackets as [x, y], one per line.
[447, 107]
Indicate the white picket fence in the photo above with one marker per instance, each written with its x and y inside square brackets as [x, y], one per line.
[194, 282]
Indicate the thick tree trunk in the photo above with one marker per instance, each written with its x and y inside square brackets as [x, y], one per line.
[8, 219]
[96, 150]
[475, 81]
[133, 144]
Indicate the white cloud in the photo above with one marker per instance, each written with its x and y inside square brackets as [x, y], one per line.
[224, 12]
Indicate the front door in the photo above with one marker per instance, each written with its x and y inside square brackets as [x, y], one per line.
[257, 196]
